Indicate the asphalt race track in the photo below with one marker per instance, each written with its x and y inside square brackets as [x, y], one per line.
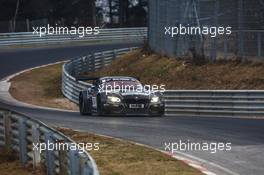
[246, 135]
[13, 61]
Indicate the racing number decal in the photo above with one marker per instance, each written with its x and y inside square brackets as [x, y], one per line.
[94, 102]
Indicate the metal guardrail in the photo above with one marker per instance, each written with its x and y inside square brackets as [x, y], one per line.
[216, 103]
[18, 132]
[177, 102]
[105, 35]
[72, 87]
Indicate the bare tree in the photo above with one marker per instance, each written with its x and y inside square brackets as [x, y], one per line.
[110, 3]
[15, 16]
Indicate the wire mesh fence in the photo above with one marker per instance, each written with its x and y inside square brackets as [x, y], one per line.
[245, 17]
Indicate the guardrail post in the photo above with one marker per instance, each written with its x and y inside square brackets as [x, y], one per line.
[259, 44]
[7, 129]
[74, 162]
[85, 167]
[75, 70]
[93, 62]
[22, 141]
[63, 162]
[49, 153]
[102, 60]
[35, 141]
[214, 40]
[87, 61]
[241, 34]
[114, 54]
[225, 47]
[82, 66]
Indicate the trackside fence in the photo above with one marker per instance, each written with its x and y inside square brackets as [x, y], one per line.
[117, 35]
[216, 103]
[222, 103]
[20, 133]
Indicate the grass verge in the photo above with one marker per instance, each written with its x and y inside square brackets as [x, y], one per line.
[117, 157]
[41, 87]
[114, 157]
[10, 165]
[181, 73]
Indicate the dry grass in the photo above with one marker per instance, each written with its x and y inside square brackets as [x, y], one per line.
[41, 87]
[179, 74]
[123, 158]
[10, 165]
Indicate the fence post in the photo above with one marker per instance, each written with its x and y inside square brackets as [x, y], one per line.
[102, 60]
[214, 40]
[35, 141]
[85, 167]
[225, 47]
[74, 162]
[49, 154]
[114, 54]
[7, 129]
[28, 25]
[87, 63]
[259, 44]
[93, 62]
[240, 28]
[75, 70]
[22, 141]
[83, 63]
[63, 162]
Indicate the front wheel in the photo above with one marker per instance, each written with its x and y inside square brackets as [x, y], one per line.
[100, 109]
[83, 106]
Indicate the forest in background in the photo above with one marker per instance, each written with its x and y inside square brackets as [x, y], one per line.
[19, 14]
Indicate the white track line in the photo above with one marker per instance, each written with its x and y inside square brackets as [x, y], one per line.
[192, 161]
[5, 85]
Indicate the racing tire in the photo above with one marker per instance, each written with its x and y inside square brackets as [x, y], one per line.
[84, 105]
[100, 111]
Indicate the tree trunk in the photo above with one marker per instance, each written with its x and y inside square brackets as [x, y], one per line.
[123, 12]
[15, 16]
[110, 11]
[91, 13]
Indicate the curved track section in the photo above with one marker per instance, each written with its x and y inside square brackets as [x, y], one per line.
[246, 135]
[15, 60]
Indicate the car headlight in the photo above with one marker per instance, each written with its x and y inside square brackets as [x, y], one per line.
[113, 99]
[155, 99]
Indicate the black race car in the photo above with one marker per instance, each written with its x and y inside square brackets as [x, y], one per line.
[120, 96]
